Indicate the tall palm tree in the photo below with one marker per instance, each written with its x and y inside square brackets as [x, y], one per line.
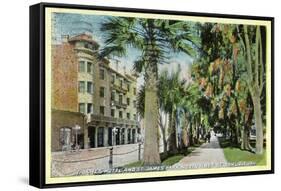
[254, 62]
[171, 94]
[191, 108]
[154, 39]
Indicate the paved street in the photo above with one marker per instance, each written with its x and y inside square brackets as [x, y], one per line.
[207, 153]
[69, 163]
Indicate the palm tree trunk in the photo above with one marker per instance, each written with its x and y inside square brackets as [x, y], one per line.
[255, 82]
[172, 137]
[237, 129]
[238, 126]
[151, 146]
[244, 138]
[184, 138]
[185, 134]
[162, 125]
[258, 123]
[197, 128]
[190, 133]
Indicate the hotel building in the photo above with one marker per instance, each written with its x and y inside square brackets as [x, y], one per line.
[91, 94]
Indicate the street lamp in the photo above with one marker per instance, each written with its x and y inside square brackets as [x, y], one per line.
[76, 128]
[114, 132]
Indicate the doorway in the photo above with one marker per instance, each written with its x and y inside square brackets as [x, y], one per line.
[100, 136]
[110, 136]
[92, 138]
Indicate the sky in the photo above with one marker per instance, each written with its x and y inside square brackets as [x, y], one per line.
[71, 24]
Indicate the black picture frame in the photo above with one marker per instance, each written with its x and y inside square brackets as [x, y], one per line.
[37, 94]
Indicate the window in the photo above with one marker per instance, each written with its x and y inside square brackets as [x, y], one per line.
[135, 117]
[135, 91]
[87, 45]
[113, 78]
[128, 101]
[102, 74]
[135, 103]
[120, 114]
[112, 113]
[81, 66]
[128, 87]
[89, 67]
[113, 96]
[90, 108]
[89, 87]
[121, 83]
[102, 91]
[102, 110]
[120, 99]
[81, 87]
[82, 107]
[128, 116]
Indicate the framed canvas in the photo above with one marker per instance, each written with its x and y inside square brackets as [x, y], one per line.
[123, 95]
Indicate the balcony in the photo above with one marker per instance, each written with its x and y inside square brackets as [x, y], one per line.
[118, 121]
[118, 104]
[84, 49]
[119, 88]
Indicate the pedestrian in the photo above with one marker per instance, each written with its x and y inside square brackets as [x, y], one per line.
[209, 136]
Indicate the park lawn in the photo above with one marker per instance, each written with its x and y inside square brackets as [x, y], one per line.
[233, 154]
[173, 159]
[169, 161]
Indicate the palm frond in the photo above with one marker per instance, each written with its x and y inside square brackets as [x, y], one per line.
[121, 33]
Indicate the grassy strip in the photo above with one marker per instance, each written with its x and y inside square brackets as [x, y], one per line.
[235, 154]
[169, 160]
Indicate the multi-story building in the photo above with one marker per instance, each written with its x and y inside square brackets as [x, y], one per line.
[102, 99]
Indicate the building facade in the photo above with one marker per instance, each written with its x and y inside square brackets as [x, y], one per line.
[101, 99]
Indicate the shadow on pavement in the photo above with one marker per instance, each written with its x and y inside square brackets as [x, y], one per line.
[214, 144]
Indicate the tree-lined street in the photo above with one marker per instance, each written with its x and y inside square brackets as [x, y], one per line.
[223, 92]
[217, 85]
[207, 153]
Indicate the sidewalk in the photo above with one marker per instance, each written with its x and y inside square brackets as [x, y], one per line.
[205, 154]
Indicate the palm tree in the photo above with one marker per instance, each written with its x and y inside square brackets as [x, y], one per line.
[191, 108]
[171, 94]
[254, 62]
[154, 39]
[161, 122]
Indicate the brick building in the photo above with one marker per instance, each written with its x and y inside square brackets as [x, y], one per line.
[88, 92]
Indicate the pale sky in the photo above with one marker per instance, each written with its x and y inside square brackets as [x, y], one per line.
[70, 24]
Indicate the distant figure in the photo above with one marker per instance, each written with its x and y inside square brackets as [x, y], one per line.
[208, 136]
[72, 146]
